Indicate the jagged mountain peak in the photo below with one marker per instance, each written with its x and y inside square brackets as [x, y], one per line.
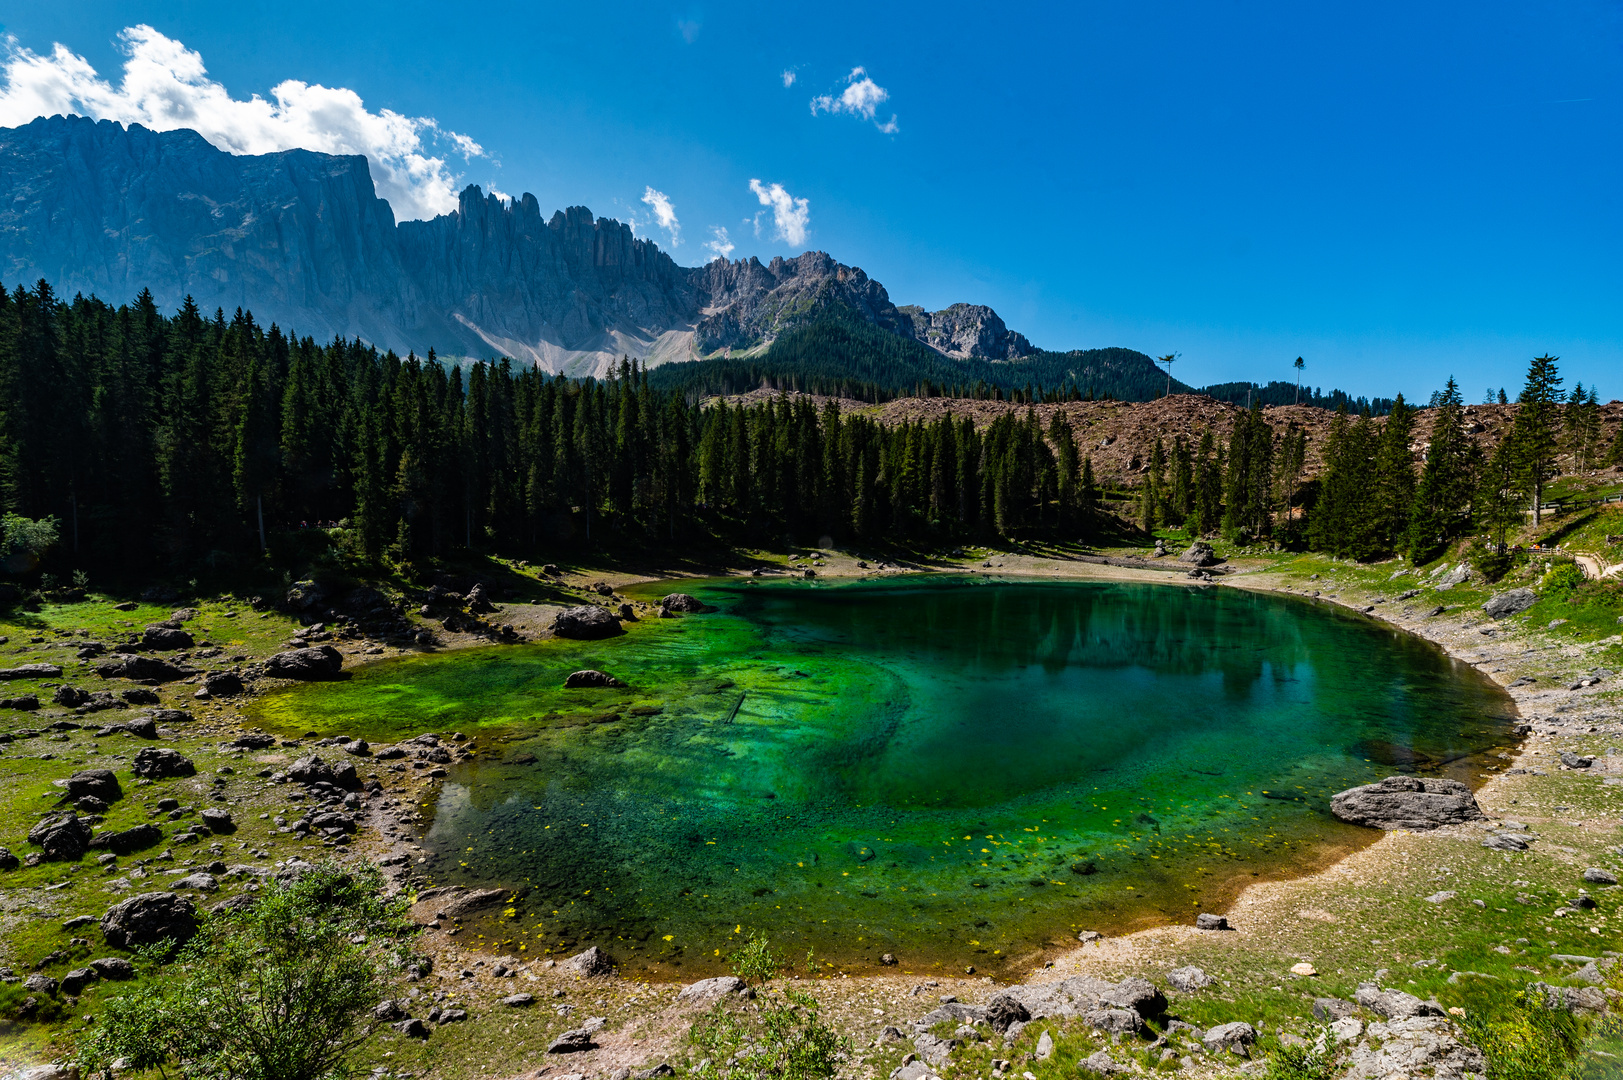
[302, 239]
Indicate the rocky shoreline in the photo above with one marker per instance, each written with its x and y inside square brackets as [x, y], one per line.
[311, 797]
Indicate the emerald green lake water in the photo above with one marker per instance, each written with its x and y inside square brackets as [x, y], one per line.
[955, 770]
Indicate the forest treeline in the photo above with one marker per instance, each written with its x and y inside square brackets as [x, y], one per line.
[172, 442]
[844, 355]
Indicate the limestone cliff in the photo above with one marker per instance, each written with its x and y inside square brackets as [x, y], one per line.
[301, 239]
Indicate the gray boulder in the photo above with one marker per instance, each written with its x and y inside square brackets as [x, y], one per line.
[1596, 876]
[683, 604]
[143, 667]
[163, 638]
[31, 671]
[77, 979]
[518, 1001]
[304, 595]
[1005, 1010]
[305, 665]
[98, 783]
[388, 1011]
[61, 836]
[1199, 553]
[1208, 921]
[590, 679]
[41, 983]
[1573, 999]
[313, 770]
[149, 917]
[706, 991]
[1407, 802]
[114, 967]
[593, 961]
[8, 861]
[1139, 995]
[1100, 1063]
[160, 762]
[1394, 1004]
[1329, 1009]
[1510, 603]
[1188, 979]
[1236, 1038]
[411, 1028]
[218, 820]
[1505, 842]
[128, 841]
[223, 684]
[575, 1041]
[586, 623]
[1114, 1021]
[1419, 1046]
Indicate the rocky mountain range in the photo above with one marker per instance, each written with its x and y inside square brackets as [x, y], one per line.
[301, 239]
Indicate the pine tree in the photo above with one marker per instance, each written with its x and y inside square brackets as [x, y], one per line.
[1534, 431]
[1208, 498]
[1181, 493]
[1394, 477]
[1448, 480]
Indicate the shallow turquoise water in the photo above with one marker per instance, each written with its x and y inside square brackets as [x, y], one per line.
[955, 770]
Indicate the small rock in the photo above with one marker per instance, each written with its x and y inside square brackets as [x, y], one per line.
[1100, 1063]
[572, 1042]
[1235, 1037]
[518, 1001]
[707, 990]
[590, 679]
[1505, 842]
[1596, 876]
[1394, 1004]
[1188, 979]
[411, 1028]
[1205, 921]
[159, 763]
[593, 961]
[1304, 969]
[1441, 897]
[1332, 1009]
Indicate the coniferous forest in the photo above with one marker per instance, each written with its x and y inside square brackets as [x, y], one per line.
[154, 442]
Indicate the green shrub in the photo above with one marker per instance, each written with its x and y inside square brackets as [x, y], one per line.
[275, 991]
[1562, 579]
[1522, 1039]
[778, 1033]
[1304, 1062]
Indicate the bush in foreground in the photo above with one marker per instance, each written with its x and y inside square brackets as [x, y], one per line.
[271, 991]
[774, 1035]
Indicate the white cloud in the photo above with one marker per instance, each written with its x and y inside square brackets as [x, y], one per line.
[165, 86]
[790, 216]
[861, 98]
[788, 78]
[722, 246]
[664, 214]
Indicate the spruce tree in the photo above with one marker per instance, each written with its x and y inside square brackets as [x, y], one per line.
[1534, 432]
[1394, 477]
[1448, 479]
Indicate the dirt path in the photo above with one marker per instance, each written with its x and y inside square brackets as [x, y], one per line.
[1595, 568]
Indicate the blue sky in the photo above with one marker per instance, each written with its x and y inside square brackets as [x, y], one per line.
[1396, 192]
